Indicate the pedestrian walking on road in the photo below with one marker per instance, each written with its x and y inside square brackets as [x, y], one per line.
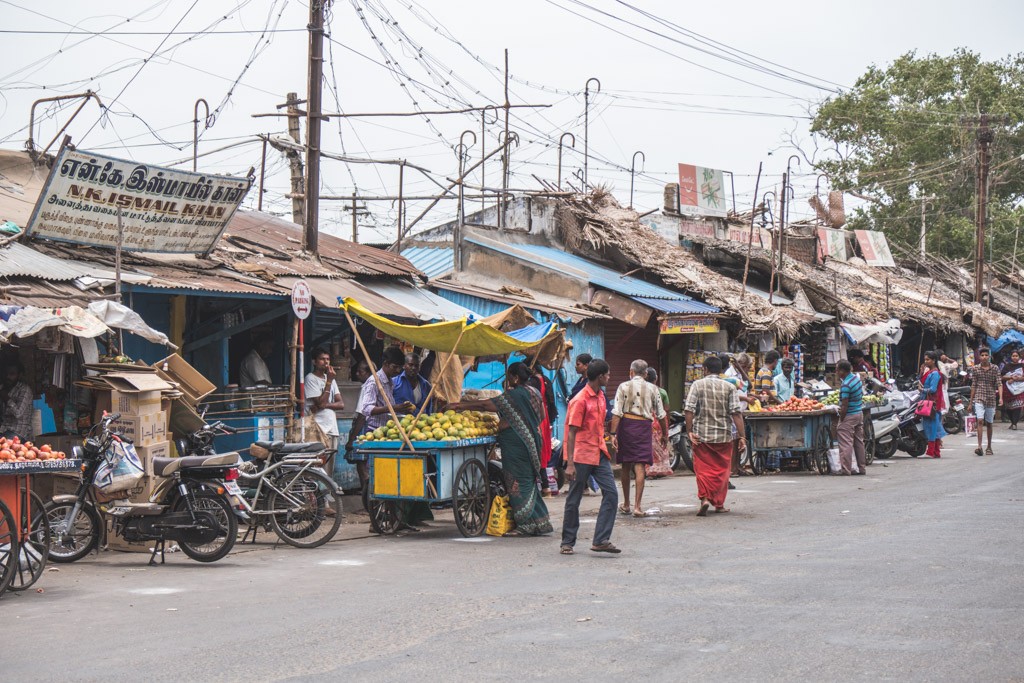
[662, 466]
[586, 455]
[985, 380]
[851, 419]
[931, 390]
[637, 405]
[1013, 387]
[582, 363]
[712, 414]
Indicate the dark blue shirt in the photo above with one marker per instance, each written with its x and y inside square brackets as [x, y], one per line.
[578, 387]
[403, 392]
[852, 389]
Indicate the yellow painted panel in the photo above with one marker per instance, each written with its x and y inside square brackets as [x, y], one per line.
[385, 476]
[411, 478]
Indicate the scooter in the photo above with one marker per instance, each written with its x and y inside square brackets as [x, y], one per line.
[955, 418]
[911, 434]
[678, 442]
[886, 426]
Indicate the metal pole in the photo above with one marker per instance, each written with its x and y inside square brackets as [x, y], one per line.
[195, 128]
[117, 256]
[985, 135]
[586, 127]
[750, 240]
[504, 158]
[560, 139]
[777, 264]
[632, 174]
[314, 92]
[732, 184]
[263, 175]
[355, 223]
[401, 205]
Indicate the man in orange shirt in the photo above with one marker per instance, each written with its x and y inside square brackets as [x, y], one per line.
[586, 455]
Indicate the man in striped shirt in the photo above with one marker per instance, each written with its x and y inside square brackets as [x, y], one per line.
[851, 419]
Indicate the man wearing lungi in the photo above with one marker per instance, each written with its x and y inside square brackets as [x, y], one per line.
[711, 405]
[637, 404]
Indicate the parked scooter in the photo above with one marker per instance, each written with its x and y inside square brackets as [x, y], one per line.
[190, 506]
[678, 442]
[911, 435]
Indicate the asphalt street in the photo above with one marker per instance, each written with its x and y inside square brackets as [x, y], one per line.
[910, 573]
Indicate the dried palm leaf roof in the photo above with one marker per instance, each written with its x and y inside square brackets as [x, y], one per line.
[597, 225]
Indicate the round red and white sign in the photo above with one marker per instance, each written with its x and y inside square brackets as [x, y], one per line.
[302, 300]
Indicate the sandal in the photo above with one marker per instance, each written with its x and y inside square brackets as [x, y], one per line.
[639, 513]
[988, 451]
[704, 505]
[605, 548]
[566, 550]
[977, 451]
[721, 510]
[625, 509]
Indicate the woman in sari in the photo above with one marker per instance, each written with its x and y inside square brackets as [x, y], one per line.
[1012, 373]
[931, 390]
[662, 465]
[519, 410]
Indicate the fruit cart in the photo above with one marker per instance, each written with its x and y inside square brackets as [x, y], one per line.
[440, 458]
[24, 533]
[807, 434]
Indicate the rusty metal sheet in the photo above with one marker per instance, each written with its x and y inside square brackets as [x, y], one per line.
[623, 308]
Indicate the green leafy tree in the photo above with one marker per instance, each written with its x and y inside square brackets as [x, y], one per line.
[900, 134]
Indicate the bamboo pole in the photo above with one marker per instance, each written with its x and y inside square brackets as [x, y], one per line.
[291, 390]
[376, 380]
[750, 239]
[447, 362]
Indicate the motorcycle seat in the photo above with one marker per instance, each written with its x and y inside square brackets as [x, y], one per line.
[307, 447]
[165, 467]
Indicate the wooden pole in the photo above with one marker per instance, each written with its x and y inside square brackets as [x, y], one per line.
[294, 362]
[447, 362]
[376, 380]
[750, 240]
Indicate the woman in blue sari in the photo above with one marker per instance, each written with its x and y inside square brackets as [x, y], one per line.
[519, 410]
[931, 390]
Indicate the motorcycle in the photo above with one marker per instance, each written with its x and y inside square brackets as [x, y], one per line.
[911, 437]
[678, 442]
[189, 506]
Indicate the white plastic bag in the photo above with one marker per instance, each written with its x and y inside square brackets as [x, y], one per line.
[120, 470]
[833, 460]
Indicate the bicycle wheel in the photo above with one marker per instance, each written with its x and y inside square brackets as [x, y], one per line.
[35, 545]
[8, 547]
[307, 509]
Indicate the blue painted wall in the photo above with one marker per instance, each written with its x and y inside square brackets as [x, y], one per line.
[586, 337]
[155, 309]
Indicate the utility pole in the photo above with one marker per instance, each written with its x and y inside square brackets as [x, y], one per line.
[295, 161]
[924, 203]
[314, 92]
[984, 136]
[504, 156]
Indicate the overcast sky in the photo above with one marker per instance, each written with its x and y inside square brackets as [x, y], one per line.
[722, 86]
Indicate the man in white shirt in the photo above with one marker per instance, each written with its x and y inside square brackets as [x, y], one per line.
[254, 371]
[637, 404]
[322, 395]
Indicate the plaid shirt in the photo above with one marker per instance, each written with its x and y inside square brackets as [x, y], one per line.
[370, 398]
[986, 385]
[713, 401]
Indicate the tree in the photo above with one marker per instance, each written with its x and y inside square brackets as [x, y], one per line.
[899, 134]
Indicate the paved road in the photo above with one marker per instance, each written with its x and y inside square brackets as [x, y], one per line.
[910, 573]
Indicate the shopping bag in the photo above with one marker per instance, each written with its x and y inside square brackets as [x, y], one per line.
[499, 522]
[925, 408]
[120, 470]
[971, 426]
[833, 460]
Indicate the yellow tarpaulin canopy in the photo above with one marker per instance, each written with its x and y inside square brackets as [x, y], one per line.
[479, 339]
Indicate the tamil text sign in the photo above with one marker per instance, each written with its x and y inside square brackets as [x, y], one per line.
[701, 191]
[832, 243]
[875, 248]
[161, 209]
[689, 324]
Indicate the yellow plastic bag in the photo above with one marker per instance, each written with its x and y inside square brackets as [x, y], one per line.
[500, 522]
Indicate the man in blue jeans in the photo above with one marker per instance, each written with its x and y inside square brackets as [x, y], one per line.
[586, 455]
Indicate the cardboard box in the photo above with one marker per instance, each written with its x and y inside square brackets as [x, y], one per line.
[147, 453]
[135, 393]
[60, 442]
[142, 430]
[190, 382]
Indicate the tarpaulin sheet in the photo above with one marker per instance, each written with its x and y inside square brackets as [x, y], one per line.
[121, 317]
[1008, 337]
[881, 333]
[478, 339]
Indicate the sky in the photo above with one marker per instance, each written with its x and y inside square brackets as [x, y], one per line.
[721, 85]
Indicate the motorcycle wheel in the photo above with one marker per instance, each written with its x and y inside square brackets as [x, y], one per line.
[918, 445]
[84, 534]
[869, 442]
[884, 451]
[223, 515]
[686, 452]
[952, 422]
[307, 510]
[674, 459]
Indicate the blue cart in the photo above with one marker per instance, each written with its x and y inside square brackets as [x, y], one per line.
[436, 472]
[808, 435]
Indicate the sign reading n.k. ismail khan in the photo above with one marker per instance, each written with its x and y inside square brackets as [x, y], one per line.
[162, 209]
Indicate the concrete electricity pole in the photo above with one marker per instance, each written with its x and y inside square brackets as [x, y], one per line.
[924, 202]
[984, 136]
[295, 160]
[314, 92]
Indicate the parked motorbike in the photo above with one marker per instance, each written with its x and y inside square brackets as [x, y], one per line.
[190, 505]
[911, 434]
[678, 442]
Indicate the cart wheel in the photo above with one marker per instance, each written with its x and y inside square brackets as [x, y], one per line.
[8, 547]
[822, 442]
[758, 460]
[869, 441]
[35, 546]
[383, 516]
[470, 500]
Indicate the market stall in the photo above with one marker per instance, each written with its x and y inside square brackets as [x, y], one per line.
[438, 458]
[801, 426]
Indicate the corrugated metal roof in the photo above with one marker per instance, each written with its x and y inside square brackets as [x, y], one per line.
[275, 245]
[42, 294]
[538, 301]
[678, 306]
[214, 280]
[425, 304]
[326, 292]
[434, 262]
[18, 260]
[594, 273]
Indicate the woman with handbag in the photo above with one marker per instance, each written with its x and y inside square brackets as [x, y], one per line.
[930, 407]
[1012, 373]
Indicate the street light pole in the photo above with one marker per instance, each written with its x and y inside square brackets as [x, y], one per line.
[586, 128]
[560, 140]
[632, 174]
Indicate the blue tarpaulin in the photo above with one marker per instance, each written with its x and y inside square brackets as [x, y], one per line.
[1008, 337]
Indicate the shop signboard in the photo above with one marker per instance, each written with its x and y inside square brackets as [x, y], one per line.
[701, 191]
[875, 248]
[102, 201]
[664, 228]
[689, 324]
[832, 243]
